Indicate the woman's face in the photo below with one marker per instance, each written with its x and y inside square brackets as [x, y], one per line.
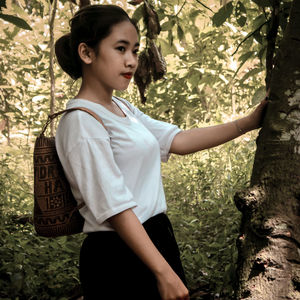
[117, 58]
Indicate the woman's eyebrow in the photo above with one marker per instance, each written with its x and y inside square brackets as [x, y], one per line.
[127, 43]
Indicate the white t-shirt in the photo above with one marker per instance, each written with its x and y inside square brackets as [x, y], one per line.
[114, 168]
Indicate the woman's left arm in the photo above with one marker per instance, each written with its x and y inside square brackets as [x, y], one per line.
[196, 139]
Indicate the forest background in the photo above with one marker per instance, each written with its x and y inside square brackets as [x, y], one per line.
[216, 60]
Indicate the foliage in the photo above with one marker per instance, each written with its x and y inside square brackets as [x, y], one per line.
[200, 191]
[13, 19]
[204, 73]
[32, 267]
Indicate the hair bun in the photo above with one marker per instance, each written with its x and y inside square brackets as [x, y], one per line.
[65, 57]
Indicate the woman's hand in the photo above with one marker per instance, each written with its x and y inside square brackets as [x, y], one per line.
[255, 119]
[130, 229]
[171, 287]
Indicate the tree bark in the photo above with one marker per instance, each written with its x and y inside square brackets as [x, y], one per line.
[271, 38]
[269, 241]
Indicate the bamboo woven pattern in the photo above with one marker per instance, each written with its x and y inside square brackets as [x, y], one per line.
[56, 212]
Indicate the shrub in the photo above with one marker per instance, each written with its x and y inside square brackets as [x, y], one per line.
[199, 190]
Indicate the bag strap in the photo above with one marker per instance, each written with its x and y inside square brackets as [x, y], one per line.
[53, 116]
[123, 102]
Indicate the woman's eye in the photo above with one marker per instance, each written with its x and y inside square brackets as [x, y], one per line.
[136, 51]
[121, 48]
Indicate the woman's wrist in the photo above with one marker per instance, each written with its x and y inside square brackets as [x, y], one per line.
[238, 128]
[244, 125]
[161, 270]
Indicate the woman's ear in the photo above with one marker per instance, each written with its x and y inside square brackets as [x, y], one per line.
[85, 53]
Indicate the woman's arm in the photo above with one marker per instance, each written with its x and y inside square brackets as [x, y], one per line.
[196, 139]
[128, 226]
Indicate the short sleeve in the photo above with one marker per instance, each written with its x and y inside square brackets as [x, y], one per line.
[164, 132]
[98, 178]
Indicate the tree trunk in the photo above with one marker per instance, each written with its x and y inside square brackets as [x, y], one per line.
[269, 243]
[271, 38]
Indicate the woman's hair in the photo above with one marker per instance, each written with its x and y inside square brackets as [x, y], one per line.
[90, 25]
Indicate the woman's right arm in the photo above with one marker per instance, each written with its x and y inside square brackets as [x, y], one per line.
[130, 229]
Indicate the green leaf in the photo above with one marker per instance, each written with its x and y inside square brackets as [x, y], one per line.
[242, 20]
[170, 37]
[19, 11]
[263, 3]
[16, 21]
[138, 13]
[167, 48]
[259, 95]
[262, 54]
[243, 58]
[2, 4]
[240, 14]
[17, 280]
[15, 32]
[223, 14]
[194, 13]
[258, 37]
[194, 79]
[258, 21]
[250, 74]
[168, 25]
[180, 32]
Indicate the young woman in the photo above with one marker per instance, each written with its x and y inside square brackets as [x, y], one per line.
[130, 251]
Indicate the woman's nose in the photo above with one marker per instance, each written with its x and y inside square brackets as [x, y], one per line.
[131, 60]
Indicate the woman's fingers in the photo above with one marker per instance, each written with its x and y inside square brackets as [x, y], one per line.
[171, 287]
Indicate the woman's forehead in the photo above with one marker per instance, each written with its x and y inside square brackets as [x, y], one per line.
[124, 31]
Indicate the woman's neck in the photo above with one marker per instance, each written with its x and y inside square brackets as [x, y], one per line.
[101, 96]
[95, 93]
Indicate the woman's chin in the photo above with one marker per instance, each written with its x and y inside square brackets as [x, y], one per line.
[123, 88]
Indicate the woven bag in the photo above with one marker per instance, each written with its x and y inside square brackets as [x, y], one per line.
[56, 212]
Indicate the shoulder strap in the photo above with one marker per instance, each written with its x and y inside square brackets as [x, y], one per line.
[89, 112]
[123, 102]
[53, 116]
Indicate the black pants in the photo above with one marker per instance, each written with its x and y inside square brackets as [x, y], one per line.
[109, 269]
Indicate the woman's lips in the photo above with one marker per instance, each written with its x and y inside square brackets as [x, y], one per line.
[127, 75]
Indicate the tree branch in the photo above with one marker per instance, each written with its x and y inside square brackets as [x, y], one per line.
[248, 36]
[181, 8]
[205, 6]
